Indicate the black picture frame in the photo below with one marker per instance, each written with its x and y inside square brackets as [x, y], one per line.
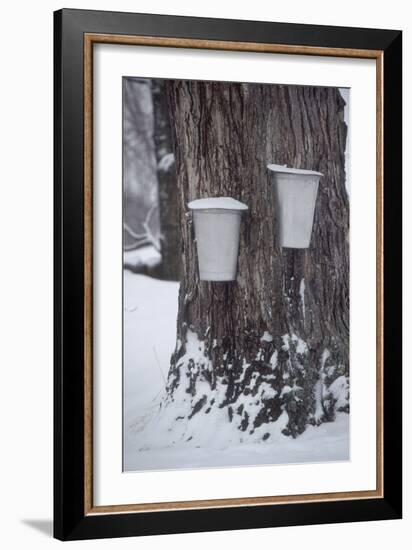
[71, 522]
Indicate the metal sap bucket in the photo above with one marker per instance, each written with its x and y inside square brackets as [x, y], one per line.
[217, 229]
[296, 192]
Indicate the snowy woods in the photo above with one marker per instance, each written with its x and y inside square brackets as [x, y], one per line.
[150, 224]
[265, 358]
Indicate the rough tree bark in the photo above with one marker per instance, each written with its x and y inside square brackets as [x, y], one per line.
[270, 350]
[166, 177]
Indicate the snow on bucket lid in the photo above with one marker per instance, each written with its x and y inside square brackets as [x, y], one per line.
[223, 203]
[285, 170]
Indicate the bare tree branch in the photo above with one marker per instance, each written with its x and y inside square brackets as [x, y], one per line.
[145, 238]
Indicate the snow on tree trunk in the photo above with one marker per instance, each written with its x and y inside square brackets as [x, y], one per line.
[268, 353]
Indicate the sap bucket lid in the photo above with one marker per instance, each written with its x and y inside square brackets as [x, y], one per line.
[217, 203]
[284, 169]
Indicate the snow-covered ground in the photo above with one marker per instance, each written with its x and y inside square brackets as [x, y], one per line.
[150, 310]
[145, 256]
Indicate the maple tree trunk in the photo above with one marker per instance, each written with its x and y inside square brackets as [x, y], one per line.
[274, 344]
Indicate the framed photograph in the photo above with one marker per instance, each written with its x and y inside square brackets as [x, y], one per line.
[227, 274]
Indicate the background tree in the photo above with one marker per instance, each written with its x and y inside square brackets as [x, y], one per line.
[166, 177]
[269, 351]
